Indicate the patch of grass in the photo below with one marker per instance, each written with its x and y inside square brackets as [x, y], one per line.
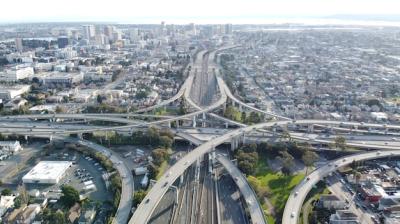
[270, 219]
[278, 186]
[162, 169]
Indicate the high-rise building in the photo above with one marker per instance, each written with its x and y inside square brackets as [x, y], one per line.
[18, 44]
[102, 39]
[134, 35]
[162, 28]
[192, 28]
[62, 42]
[89, 32]
[117, 35]
[108, 31]
[228, 28]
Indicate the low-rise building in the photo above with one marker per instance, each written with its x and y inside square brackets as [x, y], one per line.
[331, 202]
[17, 73]
[87, 216]
[47, 172]
[10, 146]
[28, 214]
[11, 92]
[343, 217]
[6, 202]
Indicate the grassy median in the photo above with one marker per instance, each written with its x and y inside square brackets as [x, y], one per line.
[273, 189]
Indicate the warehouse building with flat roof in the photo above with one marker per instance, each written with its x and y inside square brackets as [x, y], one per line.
[47, 172]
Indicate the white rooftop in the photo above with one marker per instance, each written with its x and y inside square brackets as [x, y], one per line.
[47, 172]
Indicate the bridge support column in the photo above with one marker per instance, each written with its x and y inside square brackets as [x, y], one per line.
[244, 139]
[181, 180]
[233, 144]
[203, 124]
[285, 127]
[51, 138]
[226, 125]
[80, 136]
[177, 123]
[169, 124]
[240, 108]
[26, 138]
[224, 107]
[310, 128]
[194, 121]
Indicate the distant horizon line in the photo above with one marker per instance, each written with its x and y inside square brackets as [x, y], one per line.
[236, 20]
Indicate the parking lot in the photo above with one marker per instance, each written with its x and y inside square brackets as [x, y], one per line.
[85, 175]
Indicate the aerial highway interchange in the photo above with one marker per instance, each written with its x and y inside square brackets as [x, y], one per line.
[204, 99]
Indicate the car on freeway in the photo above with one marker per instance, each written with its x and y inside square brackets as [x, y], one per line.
[292, 215]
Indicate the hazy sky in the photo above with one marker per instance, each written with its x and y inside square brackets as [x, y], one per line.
[200, 11]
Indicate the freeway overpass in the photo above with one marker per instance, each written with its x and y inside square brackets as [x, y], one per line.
[255, 210]
[148, 205]
[299, 193]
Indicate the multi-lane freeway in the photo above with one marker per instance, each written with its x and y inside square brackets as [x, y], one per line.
[205, 71]
[255, 210]
[159, 189]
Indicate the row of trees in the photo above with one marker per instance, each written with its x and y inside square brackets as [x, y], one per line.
[243, 117]
[159, 156]
[248, 155]
[154, 137]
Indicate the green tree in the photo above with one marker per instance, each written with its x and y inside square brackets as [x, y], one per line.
[183, 109]
[58, 217]
[247, 161]
[99, 99]
[233, 114]
[6, 192]
[287, 162]
[254, 118]
[138, 197]
[340, 142]
[159, 155]
[309, 157]
[153, 170]
[59, 109]
[70, 196]
[166, 142]
[23, 194]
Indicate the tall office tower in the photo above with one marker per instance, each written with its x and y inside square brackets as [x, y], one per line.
[62, 42]
[162, 28]
[89, 32]
[108, 31]
[228, 28]
[75, 34]
[134, 35]
[171, 29]
[192, 28]
[117, 35]
[18, 44]
[101, 39]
